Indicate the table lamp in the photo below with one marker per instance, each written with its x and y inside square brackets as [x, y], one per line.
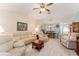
[1, 29]
[36, 30]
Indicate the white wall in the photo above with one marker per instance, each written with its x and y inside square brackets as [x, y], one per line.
[8, 20]
[11, 13]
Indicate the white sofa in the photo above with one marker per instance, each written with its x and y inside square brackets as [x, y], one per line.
[14, 43]
[6, 45]
[24, 36]
[69, 40]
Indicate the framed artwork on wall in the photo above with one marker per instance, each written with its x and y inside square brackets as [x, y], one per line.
[21, 26]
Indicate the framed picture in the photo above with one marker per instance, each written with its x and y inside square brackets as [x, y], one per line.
[21, 26]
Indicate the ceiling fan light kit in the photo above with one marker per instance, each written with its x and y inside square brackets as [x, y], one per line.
[43, 7]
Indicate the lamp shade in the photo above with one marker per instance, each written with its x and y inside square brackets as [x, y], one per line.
[1, 29]
[36, 29]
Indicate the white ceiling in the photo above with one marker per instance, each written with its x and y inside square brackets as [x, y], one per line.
[60, 12]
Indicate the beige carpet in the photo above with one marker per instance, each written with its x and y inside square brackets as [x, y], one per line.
[51, 48]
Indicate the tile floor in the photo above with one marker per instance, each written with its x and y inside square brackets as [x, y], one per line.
[51, 48]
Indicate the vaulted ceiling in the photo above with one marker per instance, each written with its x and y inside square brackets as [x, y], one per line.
[60, 12]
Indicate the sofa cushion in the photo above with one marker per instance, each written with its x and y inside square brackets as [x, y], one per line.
[6, 46]
[4, 38]
[17, 51]
[28, 41]
[5, 54]
[19, 43]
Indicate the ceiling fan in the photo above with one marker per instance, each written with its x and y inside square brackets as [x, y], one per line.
[43, 7]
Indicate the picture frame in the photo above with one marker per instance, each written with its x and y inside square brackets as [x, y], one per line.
[21, 26]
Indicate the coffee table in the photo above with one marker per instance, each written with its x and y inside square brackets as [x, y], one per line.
[38, 44]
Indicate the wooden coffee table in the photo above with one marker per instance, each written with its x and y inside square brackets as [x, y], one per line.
[38, 44]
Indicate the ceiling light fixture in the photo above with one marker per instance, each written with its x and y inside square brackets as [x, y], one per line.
[43, 7]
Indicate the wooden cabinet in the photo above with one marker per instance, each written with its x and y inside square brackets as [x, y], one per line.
[74, 27]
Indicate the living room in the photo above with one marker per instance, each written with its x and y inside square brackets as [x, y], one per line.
[54, 24]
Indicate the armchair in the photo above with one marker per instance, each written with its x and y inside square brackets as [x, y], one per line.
[69, 40]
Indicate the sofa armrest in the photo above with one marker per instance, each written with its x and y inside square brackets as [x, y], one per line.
[19, 51]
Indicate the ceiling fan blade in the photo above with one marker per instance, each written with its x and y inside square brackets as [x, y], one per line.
[47, 9]
[35, 8]
[49, 4]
